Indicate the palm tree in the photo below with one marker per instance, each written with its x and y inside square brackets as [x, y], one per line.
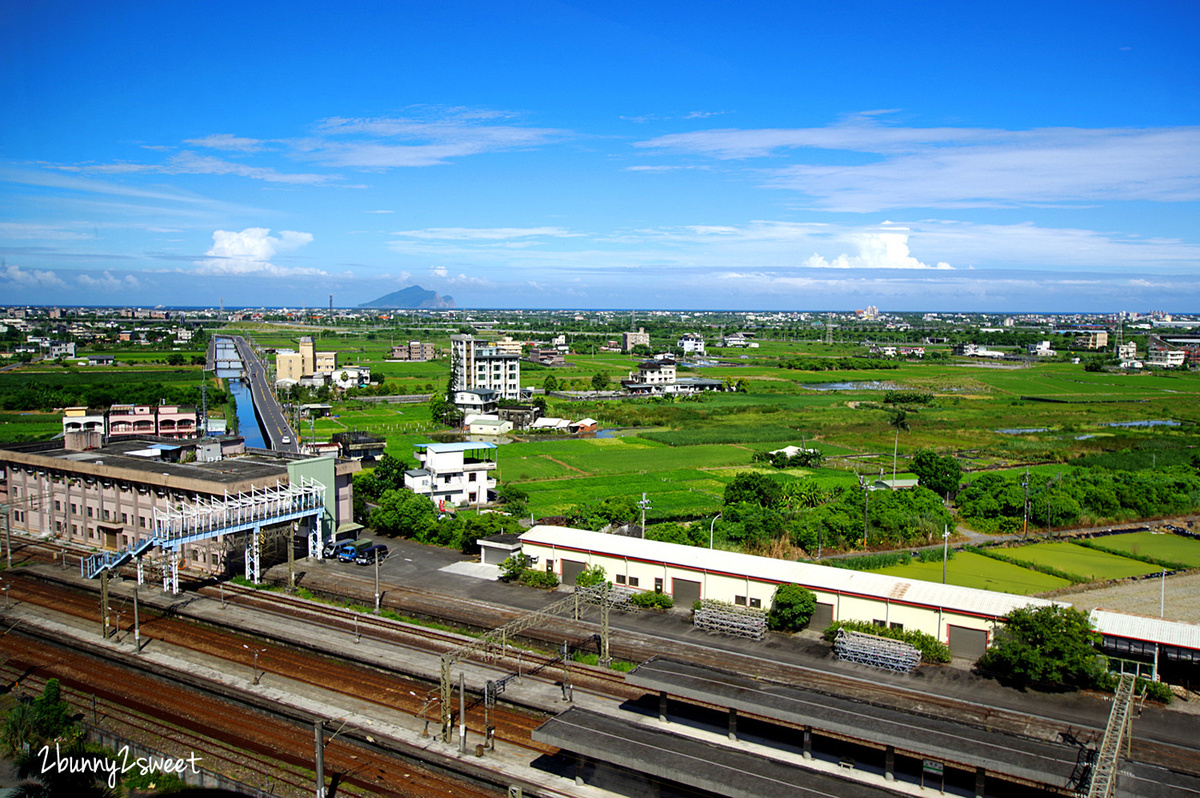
[899, 421]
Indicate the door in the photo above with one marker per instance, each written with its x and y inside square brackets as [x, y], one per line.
[685, 592]
[570, 570]
[822, 616]
[969, 643]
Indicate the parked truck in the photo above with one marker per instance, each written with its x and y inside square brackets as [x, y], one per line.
[349, 551]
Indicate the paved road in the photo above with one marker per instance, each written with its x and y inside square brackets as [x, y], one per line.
[280, 435]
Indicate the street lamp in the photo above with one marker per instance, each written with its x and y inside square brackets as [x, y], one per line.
[644, 503]
[945, 550]
[256, 651]
[712, 528]
[5, 588]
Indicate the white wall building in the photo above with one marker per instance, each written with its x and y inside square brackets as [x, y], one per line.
[456, 474]
[691, 343]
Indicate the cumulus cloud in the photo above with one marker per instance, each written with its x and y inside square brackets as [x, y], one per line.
[886, 249]
[107, 282]
[31, 278]
[251, 252]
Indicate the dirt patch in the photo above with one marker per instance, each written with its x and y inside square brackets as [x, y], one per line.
[1180, 597]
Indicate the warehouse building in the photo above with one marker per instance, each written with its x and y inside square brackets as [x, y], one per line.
[964, 618]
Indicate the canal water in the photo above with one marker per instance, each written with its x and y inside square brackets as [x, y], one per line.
[229, 369]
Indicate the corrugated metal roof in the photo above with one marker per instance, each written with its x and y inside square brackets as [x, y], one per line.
[816, 577]
[1141, 627]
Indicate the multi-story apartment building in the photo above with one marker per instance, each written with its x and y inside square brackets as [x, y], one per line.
[414, 351]
[478, 365]
[1096, 339]
[458, 474]
[691, 343]
[106, 498]
[305, 364]
[163, 421]
[631, 339]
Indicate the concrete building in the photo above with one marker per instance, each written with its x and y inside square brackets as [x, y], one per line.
[1040, 349]
[691, 344]
[659, 377]
[479, 401]
[306, 366]
[107, 497]
[476, 365]
[631, 339]
[1167, 358]
[453, 474]
[415, 351]
[1094, 339]
[163, 421]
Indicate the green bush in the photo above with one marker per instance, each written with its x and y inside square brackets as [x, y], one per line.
[541, 579]
[652, 600]
[1155, 691]
[932, 649]
[791, 608]
[590, 577]
[871, 562]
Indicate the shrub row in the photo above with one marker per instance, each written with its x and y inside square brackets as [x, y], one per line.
[531, 577]
[932, 649]
[871, 562]
[1075, 579]
[653, 600]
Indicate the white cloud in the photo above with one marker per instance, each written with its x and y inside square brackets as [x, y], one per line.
[251, 252]
[485, 233]
[378, 211]
[887, 249]
[963, 167]
[33, 278]
[227, 141]
[44, 232]
[107, 282]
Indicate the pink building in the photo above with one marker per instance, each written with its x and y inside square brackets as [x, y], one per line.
[165, 421]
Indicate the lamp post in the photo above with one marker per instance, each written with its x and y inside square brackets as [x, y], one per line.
[644, 503]
[945, 550]
[256, 651]
[5, 588]
[711, 529]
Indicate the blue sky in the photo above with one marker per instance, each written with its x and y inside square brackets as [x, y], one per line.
[799, 155]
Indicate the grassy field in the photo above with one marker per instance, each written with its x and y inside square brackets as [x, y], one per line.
[1172, 548]
[975, 570]
[1080, 560]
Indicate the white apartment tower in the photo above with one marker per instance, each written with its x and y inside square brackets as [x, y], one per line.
[478, 365]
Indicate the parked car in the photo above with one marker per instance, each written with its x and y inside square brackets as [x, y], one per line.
[370, 555]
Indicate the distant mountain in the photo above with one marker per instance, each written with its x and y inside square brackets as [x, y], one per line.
[412, 298]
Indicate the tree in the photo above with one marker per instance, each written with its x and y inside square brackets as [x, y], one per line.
[791, 608]
[941, 474]
[402, 512]
[550, 384]
[390, 472]
[1047, 648]
[599, 381]
[591, 576]
[754, 488]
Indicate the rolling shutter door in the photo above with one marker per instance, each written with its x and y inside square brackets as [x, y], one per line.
[570, 570]
[685, 592]
[969, 643]
[822, 616]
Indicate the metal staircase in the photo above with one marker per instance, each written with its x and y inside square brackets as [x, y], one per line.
[205, 519]
[1120, 721]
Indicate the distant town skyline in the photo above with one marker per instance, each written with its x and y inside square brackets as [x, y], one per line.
[1039, 158]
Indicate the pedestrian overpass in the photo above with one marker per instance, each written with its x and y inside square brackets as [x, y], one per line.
[205, 519]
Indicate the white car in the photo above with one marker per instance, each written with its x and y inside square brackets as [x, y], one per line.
[285, 440]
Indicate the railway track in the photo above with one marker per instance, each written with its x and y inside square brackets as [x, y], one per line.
[373, 686]
[283, 748]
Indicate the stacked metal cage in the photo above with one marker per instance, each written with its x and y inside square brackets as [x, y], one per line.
[730, 619]
[876, 651]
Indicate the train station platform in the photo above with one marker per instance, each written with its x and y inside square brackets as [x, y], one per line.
[968, 748]
[601, 741]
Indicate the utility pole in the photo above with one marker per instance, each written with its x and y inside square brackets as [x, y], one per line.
[104, 603]
[376, 582]
[319, 741]
[462, 713]
[945, 550]
[1025, 485]
[644, 503]
[137, 627]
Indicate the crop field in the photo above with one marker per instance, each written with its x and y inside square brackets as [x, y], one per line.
[1075, 559]
[671, 494]
[1161, 546]
[17, 427]
[974, 570]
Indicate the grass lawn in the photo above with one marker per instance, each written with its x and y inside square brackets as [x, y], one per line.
[1080, 560]
[975, 570]
[1161, 546]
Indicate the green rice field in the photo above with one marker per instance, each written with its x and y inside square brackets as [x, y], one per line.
[1075, 559]
[975, 570]
[1164, 546]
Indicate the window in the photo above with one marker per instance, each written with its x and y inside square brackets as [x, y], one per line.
[899, 627]
[89, 512]
[58, 526]
[739, 600]
[142, 521]
[106, 515]
[57, 504]
[658, 584]
[756, 603]
[549, 566]
[195, 556]
[620, 579]
[471, 478]
[74, 507]
[124, 518]
[633, 581]
[878, 622]
[74, 529]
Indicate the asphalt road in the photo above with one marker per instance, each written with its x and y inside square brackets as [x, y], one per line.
[280, 435]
